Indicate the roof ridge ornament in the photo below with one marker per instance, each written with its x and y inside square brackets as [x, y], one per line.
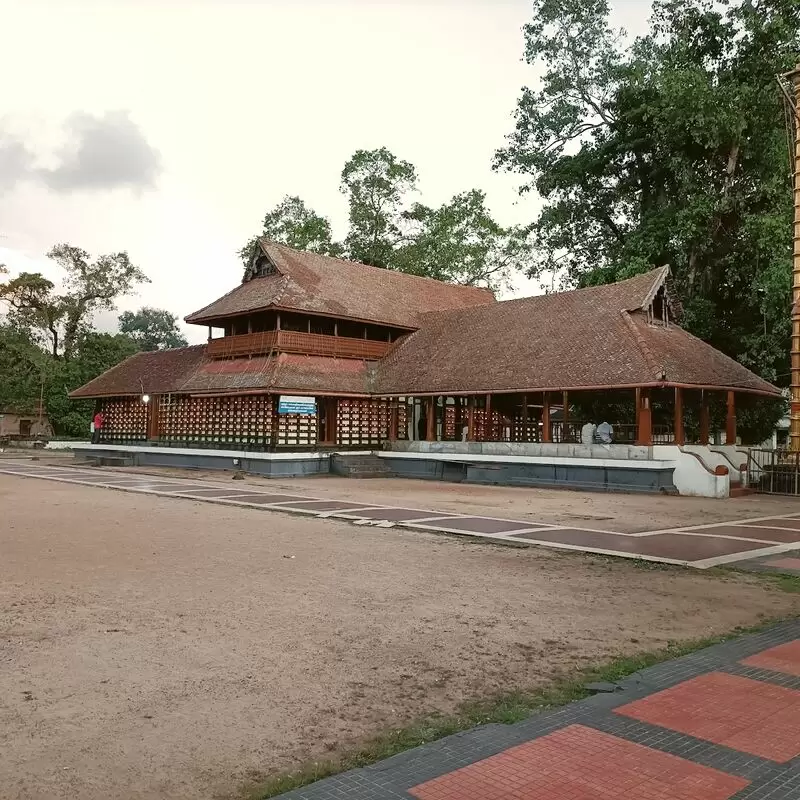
[261, 263]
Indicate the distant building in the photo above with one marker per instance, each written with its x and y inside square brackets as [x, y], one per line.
[14, 425]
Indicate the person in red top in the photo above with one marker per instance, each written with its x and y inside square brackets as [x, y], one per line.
[98, 424]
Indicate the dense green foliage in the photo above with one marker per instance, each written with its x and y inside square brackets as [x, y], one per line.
[458, 242]
[48, 346]
[668, 150]
[152, 328]
[295, 224]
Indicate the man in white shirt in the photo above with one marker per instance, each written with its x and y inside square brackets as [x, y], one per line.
[587, 433]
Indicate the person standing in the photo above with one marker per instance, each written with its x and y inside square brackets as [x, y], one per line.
[98, 420]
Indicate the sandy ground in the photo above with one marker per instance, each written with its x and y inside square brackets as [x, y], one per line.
[626, 513]
[164, 648]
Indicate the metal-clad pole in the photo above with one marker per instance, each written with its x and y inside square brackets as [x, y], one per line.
[794, 412]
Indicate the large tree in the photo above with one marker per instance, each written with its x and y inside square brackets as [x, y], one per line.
[59, 316]
[152, 328]
[47, 344]
[376, 183]
[668, 150]
[293, 223]
[460, 242]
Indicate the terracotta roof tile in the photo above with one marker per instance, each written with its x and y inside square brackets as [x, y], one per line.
[284, 372]
[591, 338]
[188, 371]
[685, 359]
[323, 285]
[156, 373]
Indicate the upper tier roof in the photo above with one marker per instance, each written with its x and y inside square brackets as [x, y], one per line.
[316, 284]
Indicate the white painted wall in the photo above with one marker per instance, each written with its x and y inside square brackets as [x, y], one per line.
[692, 476]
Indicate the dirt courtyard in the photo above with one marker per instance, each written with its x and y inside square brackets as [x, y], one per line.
[155, 647]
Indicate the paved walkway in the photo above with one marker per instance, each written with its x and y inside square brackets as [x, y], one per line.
[723, 723]
[765, 544]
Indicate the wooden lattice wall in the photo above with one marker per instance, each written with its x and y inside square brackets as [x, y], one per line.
[296, 430]
[248, 421]
[362, 422]
[485, 432]
[244, 420]
[403, 421]
[125, 419]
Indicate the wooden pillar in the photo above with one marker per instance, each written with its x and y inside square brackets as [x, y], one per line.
[209, 333]
[278, 321]
[470, 419]
[430, 433]
[644, 424]
[730, 420]
[335, 328]
[275, 418]
[525, 418]
[546, 437]
[679, 434]
[393, 419]
[704, 419]
[249, 324]
[332, 410]
[565, 416]
[488, 428]
[152, 418]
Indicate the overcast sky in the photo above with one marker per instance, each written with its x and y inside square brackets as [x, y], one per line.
[168, 127]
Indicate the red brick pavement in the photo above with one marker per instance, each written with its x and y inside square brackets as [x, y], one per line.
[578, 763]
[746, 715]
[784, 658]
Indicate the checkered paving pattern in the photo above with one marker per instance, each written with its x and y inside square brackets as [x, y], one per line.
[783, 658]
[758, 544]
[746, 715]
[578, 763]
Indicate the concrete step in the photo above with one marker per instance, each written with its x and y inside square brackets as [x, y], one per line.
[106, 461]
[741, 491]
[359, 466]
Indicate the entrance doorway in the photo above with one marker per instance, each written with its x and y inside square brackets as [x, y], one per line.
[326, 420]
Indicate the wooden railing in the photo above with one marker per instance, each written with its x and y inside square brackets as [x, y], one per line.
[252, 344]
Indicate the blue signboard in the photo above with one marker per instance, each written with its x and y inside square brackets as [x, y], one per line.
[289, 404]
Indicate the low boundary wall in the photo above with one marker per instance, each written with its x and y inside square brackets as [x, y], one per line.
[622, 468]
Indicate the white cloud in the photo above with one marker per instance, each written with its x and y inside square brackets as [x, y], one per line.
[245, 102]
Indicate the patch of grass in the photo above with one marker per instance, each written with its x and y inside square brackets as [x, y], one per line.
[782, 582]
[786, 583]
[506, 708]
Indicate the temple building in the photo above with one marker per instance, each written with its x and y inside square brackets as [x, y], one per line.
[311, 352]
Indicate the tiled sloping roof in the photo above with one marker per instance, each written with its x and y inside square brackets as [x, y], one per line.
[187, 370]
[157, 372]
[686, 359]
[590, 338]
[323, 285]
[290, 372]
